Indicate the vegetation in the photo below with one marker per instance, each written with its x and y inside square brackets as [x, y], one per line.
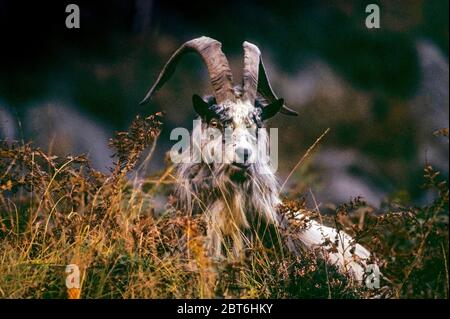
[56, 211]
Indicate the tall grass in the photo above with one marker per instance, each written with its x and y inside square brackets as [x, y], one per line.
[56, 211]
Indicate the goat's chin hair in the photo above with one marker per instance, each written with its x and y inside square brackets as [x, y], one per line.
[200, 185]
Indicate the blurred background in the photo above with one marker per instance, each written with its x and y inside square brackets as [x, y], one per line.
[383, 92]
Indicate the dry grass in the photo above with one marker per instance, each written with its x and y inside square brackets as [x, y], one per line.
[59, 211]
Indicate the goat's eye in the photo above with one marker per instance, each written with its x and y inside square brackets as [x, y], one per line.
[214, 123]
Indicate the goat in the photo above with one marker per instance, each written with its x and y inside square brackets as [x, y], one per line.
[234, 193]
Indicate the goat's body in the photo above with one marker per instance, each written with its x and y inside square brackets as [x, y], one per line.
[241, 189]
[233, 200]
[336, 247]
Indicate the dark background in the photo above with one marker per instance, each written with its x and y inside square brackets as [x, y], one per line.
[383, 92]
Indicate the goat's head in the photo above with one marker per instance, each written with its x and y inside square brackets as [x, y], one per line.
[236, 112]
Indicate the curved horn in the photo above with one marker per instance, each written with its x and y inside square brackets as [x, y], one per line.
[216, 62]
[250, 72]
[255, 78]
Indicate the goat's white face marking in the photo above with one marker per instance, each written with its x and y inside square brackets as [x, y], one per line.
[244, 139]
[241, 113]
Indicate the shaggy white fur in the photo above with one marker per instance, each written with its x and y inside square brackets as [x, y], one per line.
[232, 199]
[338, 248]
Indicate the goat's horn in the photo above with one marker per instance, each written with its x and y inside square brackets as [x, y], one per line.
[250, 72]
[216, 62]
[255, 78]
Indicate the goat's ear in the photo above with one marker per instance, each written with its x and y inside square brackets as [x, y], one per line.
[200, 106]
[272, 109]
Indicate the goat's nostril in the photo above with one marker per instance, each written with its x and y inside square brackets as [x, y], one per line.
[243, 154]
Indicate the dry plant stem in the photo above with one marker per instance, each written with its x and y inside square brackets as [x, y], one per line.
[310, 149]
[317, 210]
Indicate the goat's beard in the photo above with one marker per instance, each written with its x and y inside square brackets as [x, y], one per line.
[199, 185]
[231, 199]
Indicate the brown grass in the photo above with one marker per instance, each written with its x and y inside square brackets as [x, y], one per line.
[56, 211]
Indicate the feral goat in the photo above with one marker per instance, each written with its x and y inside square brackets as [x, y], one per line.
[235, 193]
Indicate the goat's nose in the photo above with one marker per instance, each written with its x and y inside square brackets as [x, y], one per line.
[243, 154]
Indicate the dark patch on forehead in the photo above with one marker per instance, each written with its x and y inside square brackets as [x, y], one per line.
[216, 111]
[257, 114]
[221, 113]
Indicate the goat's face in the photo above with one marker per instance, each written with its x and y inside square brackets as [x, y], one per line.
[230, 132]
